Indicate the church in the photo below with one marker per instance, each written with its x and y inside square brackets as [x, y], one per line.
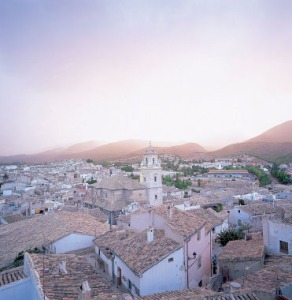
[118, 193]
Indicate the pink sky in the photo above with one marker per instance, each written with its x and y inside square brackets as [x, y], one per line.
[210, 72]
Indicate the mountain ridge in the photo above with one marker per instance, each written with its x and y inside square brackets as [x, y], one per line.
[272, 145]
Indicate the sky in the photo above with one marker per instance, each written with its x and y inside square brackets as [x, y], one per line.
[213, 72]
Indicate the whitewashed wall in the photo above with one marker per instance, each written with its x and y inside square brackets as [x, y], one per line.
[275, 231]
[73, 241]
[238, 214]
[164, 276]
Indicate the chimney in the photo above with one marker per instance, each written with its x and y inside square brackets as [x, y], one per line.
[84, 291]
[170, 211]
[150, 234]
[234, 286]
[62, 267]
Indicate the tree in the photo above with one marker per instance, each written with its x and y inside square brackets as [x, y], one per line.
[263, 178]
[167, 180]
[105, 164]
[5, 177]
[91, 181]
[135, 177]
[241, 202]
[282, 176]
[228, 235]
[219, 208]
[90, 161]
[127, 168]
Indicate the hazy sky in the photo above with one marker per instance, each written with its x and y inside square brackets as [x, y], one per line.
[205, 71]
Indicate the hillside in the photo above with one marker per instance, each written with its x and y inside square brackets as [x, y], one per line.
[274, 145]
[112, 151]
[109, 151]
[186, 151]
[81, 147]
[279, 134]
[273, 152]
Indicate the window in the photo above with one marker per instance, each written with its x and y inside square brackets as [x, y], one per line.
[239, 222]
[170, 259]
[153, 161]
[155, 178]
[199, 262]
[199, 235]
[155, 197]
[239, 211]
[284, 247]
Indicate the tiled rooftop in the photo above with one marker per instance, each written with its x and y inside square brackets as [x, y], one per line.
[204, 200]
[11, 276]
[140, 255]
[208, 216]
[258, 208]
[107, 240]
[191, 294]
[40, 230]
[201, 294]
[242, 250]
[222, 215]
[184, 222]
[134, 249]
[117, 182]
[98, 215]
[13, 218]
[59, 284]
[277, 272]
[110, 205]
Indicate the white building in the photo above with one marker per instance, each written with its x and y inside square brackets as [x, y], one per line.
[277, 234]
[250, 215]
[145, 263]
[151, 177]
[72, 242]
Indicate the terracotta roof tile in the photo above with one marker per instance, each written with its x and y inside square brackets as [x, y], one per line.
[277, 272]
[258, 208]
[183, 222]
[117, 182]
[59, 285]
[134, 249]
[242, 250]
[40, 230]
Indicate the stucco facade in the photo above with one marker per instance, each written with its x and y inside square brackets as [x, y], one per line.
[152, 280]
[277, 237]
[72, 242]
[198, 266]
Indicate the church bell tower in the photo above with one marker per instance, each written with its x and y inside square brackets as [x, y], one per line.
[151, 176]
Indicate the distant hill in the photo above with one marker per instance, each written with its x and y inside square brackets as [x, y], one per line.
[113, 151]
[109, 151]
[122, 150]
[274, 145]
[279, 134]
[81, 147]
[186, 151]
